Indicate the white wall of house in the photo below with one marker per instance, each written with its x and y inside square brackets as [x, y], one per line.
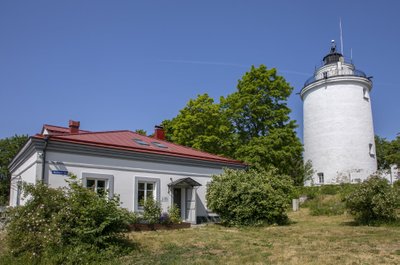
[26, 172]
[122, 177]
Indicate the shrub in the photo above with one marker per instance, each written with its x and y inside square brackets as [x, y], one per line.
[67, 225]
[174, 214]
[250, 197]
[152, 211]
[373, 201]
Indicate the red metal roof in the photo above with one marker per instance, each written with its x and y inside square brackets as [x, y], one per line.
[124, 140]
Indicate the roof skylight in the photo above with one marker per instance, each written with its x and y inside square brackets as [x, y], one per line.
[160, 145]
[141, 142]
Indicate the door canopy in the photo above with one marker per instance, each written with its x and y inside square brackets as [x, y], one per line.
[184, 182]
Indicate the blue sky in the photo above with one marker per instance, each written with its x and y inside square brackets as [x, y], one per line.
[131, 64]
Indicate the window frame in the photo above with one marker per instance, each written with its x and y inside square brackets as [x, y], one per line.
[109, 181]
[365, 94]
[96, 181]
[156, 191]
[321, 177]
[371, 149]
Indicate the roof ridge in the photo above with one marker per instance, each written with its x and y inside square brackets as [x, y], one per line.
[89, 132]
[62, 127]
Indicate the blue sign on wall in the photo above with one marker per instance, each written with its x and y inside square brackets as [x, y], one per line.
[59, 172]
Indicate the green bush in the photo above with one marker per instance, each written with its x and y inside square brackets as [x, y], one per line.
[70, 225]
[326, 205]
[174, 214]
[152, 211]
[250, 197]
[373, 201]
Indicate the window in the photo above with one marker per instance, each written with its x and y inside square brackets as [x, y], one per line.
[145, 191]
[145, 188]
[160, 145]
[371, 150]
[321, 177]
[140, 142]
[19, 192]
[99, 183]
[365, 94]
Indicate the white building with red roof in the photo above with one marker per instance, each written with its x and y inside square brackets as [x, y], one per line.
[120, 162]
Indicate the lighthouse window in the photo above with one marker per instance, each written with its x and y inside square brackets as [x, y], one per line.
[321, 177]
[371, 150]
[365, 94]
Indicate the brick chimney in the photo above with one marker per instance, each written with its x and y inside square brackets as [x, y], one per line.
[74, 126]
[159, 133]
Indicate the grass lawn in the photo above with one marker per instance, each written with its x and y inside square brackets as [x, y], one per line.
[309, 240]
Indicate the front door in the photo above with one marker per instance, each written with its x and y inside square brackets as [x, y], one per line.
[178, 198]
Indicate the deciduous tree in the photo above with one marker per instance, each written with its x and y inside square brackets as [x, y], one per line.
[387, 152]
[259, 104]
[8, 149]
[203, 125]
[252, 124]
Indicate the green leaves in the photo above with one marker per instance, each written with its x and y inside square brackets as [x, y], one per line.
[202, 125]
[373, 201]
[259, 103]
[252, 124]
[8, 149]
[250, 197]
[59, 222]
[387, 152]
[152, 211]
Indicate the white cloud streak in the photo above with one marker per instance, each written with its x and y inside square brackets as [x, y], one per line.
[229, 64]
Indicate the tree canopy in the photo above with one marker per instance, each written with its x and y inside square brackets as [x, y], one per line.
[8, 149]
[203, 125]
[252, 124]
[259, 104]
[387, 152]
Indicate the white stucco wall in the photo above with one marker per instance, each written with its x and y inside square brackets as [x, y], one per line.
[26, 172]
[338, 128]
[125, 172]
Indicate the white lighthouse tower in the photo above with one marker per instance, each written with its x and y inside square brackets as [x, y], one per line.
[337, 118]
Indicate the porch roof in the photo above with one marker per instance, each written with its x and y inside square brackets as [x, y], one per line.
[184, 182]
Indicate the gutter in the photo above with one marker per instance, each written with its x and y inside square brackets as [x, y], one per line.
[46, 142]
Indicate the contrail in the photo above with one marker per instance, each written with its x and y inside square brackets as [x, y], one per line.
[230, 64]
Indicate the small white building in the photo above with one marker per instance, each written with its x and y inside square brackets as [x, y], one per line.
[337, 119]
[120, 162]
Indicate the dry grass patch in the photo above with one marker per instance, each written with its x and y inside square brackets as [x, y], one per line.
[309, 240]
[332, 240]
